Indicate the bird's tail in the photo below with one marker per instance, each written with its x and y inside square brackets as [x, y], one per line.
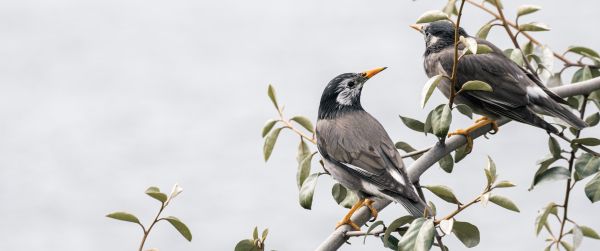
[555, 109]
[415, 208]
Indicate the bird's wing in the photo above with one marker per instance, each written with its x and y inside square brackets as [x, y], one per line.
[359, 144]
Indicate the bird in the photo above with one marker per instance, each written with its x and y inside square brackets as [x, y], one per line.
[357, 151]
[516, 93]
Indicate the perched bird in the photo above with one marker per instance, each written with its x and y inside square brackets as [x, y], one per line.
[357, 151]
[517, 94]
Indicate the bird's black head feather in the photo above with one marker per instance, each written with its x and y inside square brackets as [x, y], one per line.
[439, 35]
[341, 95]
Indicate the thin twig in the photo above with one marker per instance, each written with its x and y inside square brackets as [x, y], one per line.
[527, 35]
[362, 233]
[414, 153]
[513, 38]
[147, 232]
[289, 125]
[571, 164]
[453, 77]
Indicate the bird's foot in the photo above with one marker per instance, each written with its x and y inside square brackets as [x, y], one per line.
[346, 220]
[467, 135]
[485, 121]
[369, 203]
[480, 122]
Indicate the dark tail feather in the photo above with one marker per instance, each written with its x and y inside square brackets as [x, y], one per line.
[416, 209]
[551, 107]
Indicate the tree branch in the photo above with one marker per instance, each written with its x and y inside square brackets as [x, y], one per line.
[439, 150]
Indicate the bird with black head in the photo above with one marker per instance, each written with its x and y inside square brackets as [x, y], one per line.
[516, 93]
[358, 152]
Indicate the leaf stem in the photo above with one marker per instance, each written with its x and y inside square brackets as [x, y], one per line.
[290, 126]
[147, 232]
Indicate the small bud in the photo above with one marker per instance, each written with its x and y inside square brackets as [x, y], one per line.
[175, 191]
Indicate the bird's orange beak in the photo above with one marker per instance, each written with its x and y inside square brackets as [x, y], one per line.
[370, 73]
[417, 27]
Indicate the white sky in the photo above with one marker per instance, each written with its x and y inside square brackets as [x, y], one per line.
[101, 99]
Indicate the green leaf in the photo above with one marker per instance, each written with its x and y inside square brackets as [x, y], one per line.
[338, 192]
[373, 226]
[587, 141]
[407, 148]
[586, 165]
[413, 124]
[490, 171]
[584, 51]
[554, 80]
[484, 31]
[432, 208]
[424, 239]
[304, 122]
[407, 242]
[447, 163]
[582, 74]
[504, 183]
[566, 245]
[264, 234]
[450, 8]
[271, 93]
[543, 217]
[268, 126]
[440, 120]
[465, 110]
[592, 189]
[307, 190]
[246, 245]
[397, 223]
[124, 216]
[527, 9]
[432, 16]
[255, 233]
[515, 55]
[589, 232]
[181, 228]
[552, 174]
[476, 85]
[270, 143]
[504, 202]
[470, 44]
[554, 147]
[460, 153]
[467, 233]
[155, 193]
[428, 88]
[304, 169]
[528, 48]
[444, 192]
[350, 200]
[533, 26]
[593, 119]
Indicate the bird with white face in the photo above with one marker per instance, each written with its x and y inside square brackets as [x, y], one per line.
[358, 152]
[516, 93]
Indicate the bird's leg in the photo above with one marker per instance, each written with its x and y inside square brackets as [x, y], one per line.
[346, 219]
[481, 122]
[369, 203]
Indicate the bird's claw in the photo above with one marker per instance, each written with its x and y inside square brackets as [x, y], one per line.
[369, 203]
[467, 135]
[347, 222]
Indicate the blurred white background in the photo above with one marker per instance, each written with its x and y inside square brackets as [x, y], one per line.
[101, 99]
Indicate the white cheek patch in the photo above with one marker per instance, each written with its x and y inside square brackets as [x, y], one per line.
[433, 40]
[344, 98]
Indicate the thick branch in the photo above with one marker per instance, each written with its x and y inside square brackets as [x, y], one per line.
[439, 150]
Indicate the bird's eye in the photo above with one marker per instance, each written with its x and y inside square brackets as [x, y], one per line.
[351, 84]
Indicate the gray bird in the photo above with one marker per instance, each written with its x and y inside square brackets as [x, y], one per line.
[517, 94]
[357, 151]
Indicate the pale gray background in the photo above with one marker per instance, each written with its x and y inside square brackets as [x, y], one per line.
[101, 99]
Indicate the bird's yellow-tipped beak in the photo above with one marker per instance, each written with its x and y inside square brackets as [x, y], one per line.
[417, 27]
[370, 73]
